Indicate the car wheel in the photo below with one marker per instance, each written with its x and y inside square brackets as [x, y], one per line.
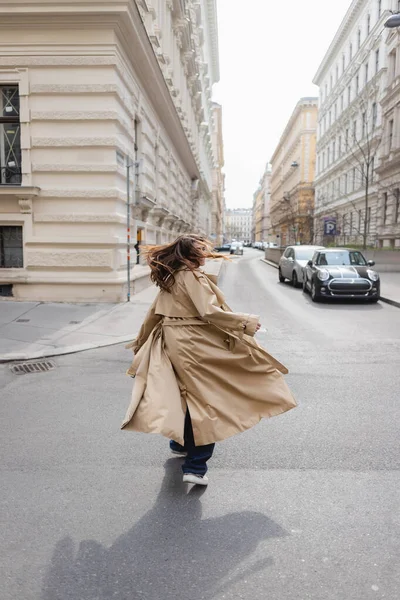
[295, 281]
[315, 297]
[281, 277]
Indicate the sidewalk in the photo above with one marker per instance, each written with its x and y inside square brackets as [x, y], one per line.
[33, 330]
[390, 285]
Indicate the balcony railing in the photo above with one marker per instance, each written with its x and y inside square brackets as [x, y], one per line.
[10, 176]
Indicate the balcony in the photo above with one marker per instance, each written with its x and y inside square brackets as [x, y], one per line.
[10, 175]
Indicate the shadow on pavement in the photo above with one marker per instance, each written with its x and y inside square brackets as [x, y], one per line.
[170, 554]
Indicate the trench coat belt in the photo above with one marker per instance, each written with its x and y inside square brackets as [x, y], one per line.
[181, 321]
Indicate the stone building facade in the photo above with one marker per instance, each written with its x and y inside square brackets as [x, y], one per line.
[357, 166]
[87, 88]
[238, 224]
[261, 209]
[292, 177]
[388, 171]
[218, 187]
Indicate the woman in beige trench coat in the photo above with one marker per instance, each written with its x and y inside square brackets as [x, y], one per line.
[200, 377]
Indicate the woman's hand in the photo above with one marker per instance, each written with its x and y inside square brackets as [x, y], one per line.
[258, 327]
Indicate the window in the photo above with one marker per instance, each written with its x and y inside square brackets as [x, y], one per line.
[335, 112]
[330, 118]
[351, 222]
[372, 168]
[368, 24]
[337, 73]
[346, 139]
[329, 156]
[331, 82]
[345, 183]
[348, 95]
[10, 136]
[376, 61]
[374, 114]
[341, 103]
[396, 205]
[11, 247]
[326, 91]
[385, 208]
[343, 63]
[379, 8]
[392, 65]
[357, 84]
[364, 124]
[340, 146]
[334, 151]
[369, 220]
[359, 39]
[354, 131]
[366, 73]
[391, 128]
[354, 179]
[351, 52]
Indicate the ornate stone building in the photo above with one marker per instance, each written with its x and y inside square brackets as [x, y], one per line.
[87, 89]
[352, 138]
[292, 177]
[218, 202]
[388, 219]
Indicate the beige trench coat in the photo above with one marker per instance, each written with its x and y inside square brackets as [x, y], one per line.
[193, 351]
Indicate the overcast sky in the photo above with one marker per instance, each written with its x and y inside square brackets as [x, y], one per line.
[269, 53]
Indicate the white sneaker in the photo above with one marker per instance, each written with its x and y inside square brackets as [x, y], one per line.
[179, 454]
[196, 479]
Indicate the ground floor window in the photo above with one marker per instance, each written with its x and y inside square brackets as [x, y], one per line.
[11, 252]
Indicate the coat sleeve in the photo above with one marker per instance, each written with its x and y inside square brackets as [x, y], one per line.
[149, 323]
[206, 303]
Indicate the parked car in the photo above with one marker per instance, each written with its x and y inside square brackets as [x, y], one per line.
[223, 248]
[236, 248]
[341, 273]
[293, 261]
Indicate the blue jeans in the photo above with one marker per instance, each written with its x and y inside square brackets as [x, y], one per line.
[197, 456]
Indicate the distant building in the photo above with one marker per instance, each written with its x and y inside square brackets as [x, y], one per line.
[261, 223]
[292, 177]
[238, 224]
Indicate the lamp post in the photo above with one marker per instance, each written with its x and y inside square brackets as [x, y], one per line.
[393, 21]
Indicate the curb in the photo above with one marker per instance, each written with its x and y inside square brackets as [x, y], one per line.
[389, 301]
[67, 350]
[382, 299]
[268, 262]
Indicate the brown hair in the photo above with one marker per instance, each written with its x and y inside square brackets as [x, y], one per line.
[164, 261]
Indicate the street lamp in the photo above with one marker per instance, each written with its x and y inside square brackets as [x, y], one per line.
[393, 21]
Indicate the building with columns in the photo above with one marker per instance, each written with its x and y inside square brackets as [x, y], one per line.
[87, 88]
[357, 182]
[292, 177]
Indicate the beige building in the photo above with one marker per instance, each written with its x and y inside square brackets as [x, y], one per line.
[261, 209]
[218, 189]
[238, 224]
[292, 177]
[85, 89]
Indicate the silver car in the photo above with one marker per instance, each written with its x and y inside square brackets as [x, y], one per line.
[293, 261]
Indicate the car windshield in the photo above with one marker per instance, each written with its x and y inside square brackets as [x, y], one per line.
[342, 257]
[304, 253]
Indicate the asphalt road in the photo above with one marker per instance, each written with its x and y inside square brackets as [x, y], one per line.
[304, 506]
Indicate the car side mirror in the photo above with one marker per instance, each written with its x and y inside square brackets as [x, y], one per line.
[309, 264]
[371, 263]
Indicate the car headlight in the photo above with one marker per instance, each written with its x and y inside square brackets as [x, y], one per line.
[373, 275]
[323, 274]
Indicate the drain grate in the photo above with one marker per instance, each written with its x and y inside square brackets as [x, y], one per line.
[74, 322]
[23, 320]
[33, 367]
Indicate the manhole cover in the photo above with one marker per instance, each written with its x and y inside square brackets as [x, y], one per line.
[23, 320]
[75, 322]
[33, 367]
